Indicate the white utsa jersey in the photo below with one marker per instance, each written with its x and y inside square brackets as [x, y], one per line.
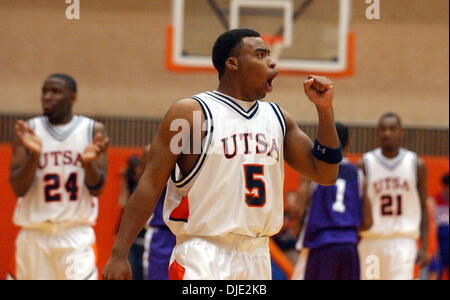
[236, 185]
[392, 190]
[58, 194]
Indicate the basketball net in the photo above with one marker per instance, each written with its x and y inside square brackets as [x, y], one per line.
[276, 44]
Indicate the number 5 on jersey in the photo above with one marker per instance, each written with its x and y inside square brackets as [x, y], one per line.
[256, 187]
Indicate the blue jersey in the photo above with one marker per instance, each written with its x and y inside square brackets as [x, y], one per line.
[157, 217]
[335, 214]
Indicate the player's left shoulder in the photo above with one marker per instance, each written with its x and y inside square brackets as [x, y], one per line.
[414, 156]
[95, 126]
[277, 114]
[99, 126]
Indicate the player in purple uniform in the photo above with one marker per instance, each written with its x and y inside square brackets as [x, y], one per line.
[159, 241]
[328, 240]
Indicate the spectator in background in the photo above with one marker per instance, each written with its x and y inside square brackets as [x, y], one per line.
[439, 266]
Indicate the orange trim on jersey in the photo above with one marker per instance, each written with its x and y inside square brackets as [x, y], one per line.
[176, 271]
[181, 212]
[94, 247]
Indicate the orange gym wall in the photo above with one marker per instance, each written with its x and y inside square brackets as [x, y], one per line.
[109, 209]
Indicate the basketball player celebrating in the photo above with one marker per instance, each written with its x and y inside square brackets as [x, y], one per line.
[396, 187]
[224, 203]
[57, 170]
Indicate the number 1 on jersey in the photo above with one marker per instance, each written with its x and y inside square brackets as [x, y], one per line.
[253, 185]
[338, 205]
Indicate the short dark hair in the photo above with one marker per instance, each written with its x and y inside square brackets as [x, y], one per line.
[71, 83]
[390, 115]
[226, 43]
[343, 134]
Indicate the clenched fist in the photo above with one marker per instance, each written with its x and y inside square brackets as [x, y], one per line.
[319, 89]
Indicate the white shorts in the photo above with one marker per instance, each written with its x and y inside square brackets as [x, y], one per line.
[231, 257]
[387, 259]
[55, 253]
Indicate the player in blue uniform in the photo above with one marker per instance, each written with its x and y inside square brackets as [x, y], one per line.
[328, 240]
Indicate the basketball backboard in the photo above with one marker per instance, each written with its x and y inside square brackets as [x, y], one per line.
[315, 34]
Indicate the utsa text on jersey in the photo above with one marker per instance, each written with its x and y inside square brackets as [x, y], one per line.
[56, 158]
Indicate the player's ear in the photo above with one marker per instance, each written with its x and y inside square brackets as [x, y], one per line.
[232, 63]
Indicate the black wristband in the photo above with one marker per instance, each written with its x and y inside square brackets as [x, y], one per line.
[328, 155]
[98, 185]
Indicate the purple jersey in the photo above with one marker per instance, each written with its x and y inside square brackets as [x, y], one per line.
[157, 217]
[335, 213]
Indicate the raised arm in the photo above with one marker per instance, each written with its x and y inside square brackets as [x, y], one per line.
[160, 163]
[317, 161]
[26, 147]
[95, 162]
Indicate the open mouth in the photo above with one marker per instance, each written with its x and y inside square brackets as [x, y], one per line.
[47, 106]
[269, 83]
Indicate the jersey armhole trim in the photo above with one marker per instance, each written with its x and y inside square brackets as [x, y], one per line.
[207, 138]
[32, 123]
[280, 117]
[366, 166]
